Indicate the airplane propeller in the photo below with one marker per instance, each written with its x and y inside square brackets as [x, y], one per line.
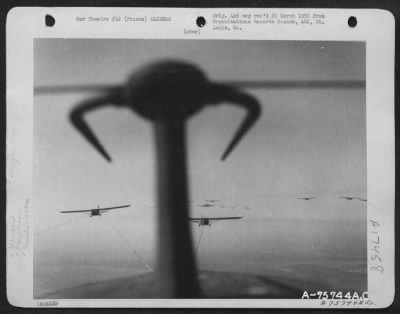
[182, 86]
[254, 84]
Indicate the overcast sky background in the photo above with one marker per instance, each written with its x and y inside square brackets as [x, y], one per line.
[308, 142]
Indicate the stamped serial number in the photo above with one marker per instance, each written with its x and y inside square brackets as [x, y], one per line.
[340, 295]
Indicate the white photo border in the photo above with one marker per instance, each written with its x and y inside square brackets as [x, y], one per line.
[25, 24]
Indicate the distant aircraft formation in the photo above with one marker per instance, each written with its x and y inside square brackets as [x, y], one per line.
[94, 211]
[216, 203]
[349, 198]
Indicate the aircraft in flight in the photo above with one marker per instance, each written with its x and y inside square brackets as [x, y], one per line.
[206, 221]
[95, 211]
[306, 198]
[206, 205]
[350, 198]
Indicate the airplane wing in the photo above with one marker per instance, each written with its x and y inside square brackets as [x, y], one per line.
[224, 218]
[76, 211]
[104, 209]
[214, 218]
[195, 220]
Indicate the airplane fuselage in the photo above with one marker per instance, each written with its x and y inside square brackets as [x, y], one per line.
[204, 222]
[95, 212]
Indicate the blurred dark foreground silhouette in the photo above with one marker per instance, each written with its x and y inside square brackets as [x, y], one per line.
[215, 285]
[168, 93]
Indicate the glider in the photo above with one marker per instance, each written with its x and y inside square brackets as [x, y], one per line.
[306, 198]
[206, 221]
[95, 211]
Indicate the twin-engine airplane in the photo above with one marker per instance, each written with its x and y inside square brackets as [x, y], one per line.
[206, 221]
[95, 211]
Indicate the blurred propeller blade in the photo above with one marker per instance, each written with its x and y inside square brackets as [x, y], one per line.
[66, 89]
[272, 84]
[234, 96]
[78, 121]
[293, 84]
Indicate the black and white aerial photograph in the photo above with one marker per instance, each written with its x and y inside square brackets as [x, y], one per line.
[208, 169]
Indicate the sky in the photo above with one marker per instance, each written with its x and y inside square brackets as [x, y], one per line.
[308, 142]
